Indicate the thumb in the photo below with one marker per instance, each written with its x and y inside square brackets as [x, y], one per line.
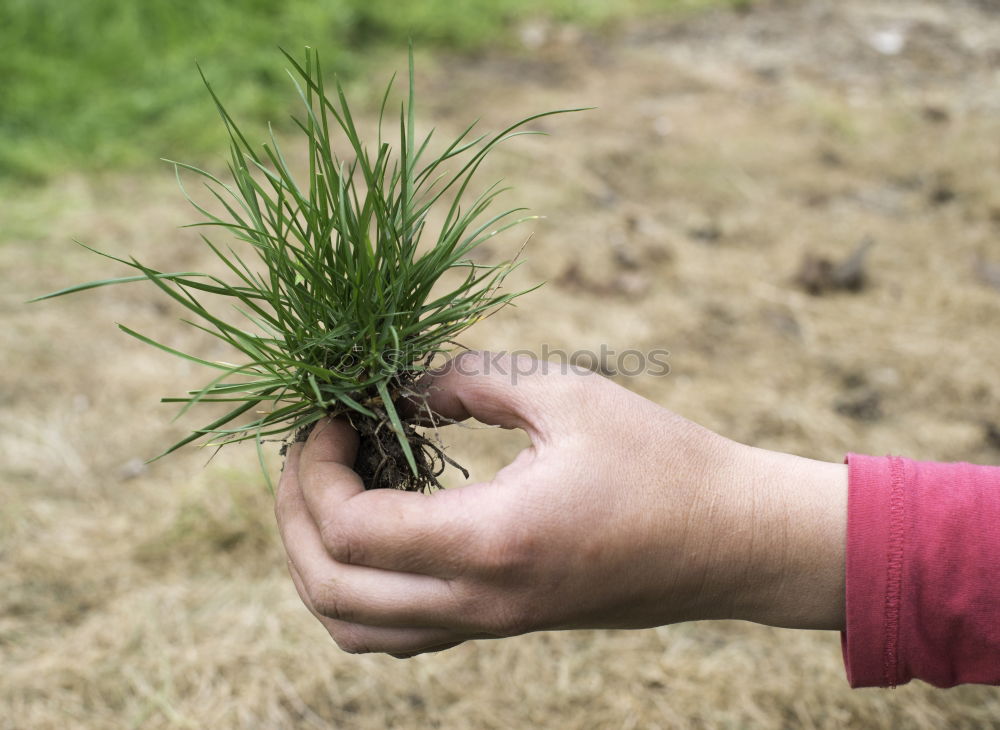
[498, 389]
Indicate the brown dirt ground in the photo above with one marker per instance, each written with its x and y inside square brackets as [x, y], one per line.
[726, 149]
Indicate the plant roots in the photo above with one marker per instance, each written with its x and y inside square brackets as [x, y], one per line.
[381, 462]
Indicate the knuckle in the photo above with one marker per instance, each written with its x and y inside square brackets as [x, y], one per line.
[331, 601]
[339, 539]
[344, 533]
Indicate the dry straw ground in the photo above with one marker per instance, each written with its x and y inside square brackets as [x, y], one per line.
[726, 148]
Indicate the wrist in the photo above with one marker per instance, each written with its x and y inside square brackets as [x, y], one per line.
[795, 543]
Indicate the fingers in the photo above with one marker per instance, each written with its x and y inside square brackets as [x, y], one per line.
[360, 594]
[321, 468]
[405, 532]
[401, 531]
[323, 465]
[358, 639]
[443, 534]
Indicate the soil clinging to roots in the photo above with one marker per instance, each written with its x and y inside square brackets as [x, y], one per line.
[381, 462]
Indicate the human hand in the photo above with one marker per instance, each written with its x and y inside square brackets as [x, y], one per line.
[621, 514]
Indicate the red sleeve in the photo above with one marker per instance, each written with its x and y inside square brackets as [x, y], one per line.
[923, 572]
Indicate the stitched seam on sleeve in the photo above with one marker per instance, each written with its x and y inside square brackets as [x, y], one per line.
[894, 577]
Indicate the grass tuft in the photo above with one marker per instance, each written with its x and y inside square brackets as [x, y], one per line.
[339, 314]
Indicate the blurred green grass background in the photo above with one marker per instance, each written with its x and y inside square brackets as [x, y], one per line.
[99, 84]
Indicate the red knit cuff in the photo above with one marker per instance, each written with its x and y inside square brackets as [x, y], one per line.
[922, 572]
[873, 570]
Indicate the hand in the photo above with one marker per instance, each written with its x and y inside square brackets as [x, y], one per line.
[620, 514]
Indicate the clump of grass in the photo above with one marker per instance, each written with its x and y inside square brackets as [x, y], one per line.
[340, 316]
